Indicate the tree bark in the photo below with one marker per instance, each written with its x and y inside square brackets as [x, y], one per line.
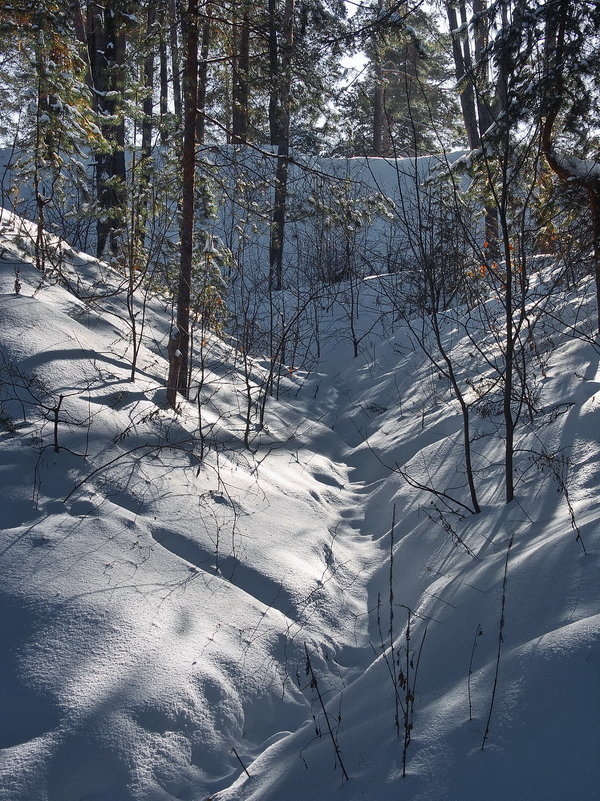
[148, 103]
[106, 47]
[464, 77]
[482, 69]
[175, 59]
[146, 149]
[177, 381]
[207, 25]
[378, 94]
[164, 74]
[378, 108]
[240, 75]
[280, 62]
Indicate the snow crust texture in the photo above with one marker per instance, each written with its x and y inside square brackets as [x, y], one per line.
[171, 622]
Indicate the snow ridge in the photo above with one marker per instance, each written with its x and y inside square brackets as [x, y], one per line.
[157, 607]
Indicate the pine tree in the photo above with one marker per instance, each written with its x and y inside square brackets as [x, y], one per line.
[50, 99]
[108, 24]
[401, 105]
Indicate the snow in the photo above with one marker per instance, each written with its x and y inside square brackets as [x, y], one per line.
[156, 607]
[578, 168]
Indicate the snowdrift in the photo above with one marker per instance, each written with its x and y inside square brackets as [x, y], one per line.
[185, 619]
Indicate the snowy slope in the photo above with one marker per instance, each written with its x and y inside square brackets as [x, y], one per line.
[157, 608]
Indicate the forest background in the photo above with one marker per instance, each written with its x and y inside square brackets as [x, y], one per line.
[118, 117]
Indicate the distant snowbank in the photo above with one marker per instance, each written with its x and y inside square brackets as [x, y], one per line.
[339, 210]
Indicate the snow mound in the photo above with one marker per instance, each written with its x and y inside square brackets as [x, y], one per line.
[184, 619]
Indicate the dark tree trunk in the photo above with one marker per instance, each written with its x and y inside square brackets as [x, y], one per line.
[464, 78]
[143, 181]
[594, 198]
[273, 71]
[280, 62]
[180, 336]
[378, 94]
[474, 97]
[482, 69]
[164, 75]
[175, 60]
[106, 47]
[240, 75]
[148, 104]
[80, 32]
[203, 73]
[378, 108]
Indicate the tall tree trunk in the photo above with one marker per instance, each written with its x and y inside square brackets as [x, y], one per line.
[378, 108]
[180, 335]
[175, 59]
[594, 199]
[147, 131]
[471, 76]
[280, 60]
[106, 46]
[79, 25]
[207, 25]
[240, 74]
[482, 69]
[378, 93]
[273, 41]
[486, 102]
[164, 74]
[464, 76]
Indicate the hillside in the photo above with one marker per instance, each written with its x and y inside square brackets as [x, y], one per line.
[187, 617]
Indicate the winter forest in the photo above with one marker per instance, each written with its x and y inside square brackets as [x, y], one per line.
[299, 400]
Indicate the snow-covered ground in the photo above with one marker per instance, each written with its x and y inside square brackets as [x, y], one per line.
[171, 620]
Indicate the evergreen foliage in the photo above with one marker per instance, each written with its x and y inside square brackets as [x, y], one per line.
[92, 104]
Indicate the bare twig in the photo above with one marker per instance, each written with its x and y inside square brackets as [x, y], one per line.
[315, 685]
[500, 641]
